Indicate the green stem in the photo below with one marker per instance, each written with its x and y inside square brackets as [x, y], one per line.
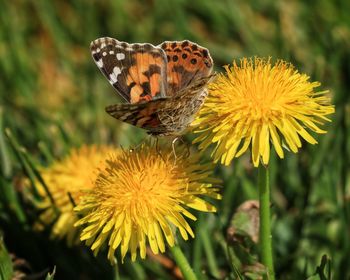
[265, 227]
[197, 247]
[182, 262]
[209, 251]
[116, 272]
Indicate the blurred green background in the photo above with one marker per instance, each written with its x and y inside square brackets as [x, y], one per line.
[53, 98]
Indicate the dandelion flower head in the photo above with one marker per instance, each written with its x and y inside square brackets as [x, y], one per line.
[66, 180]
[256, 104]
[142, 196]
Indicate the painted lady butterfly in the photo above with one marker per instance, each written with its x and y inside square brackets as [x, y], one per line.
[164, 85]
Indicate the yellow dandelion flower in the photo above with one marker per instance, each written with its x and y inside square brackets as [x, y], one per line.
[70, 176]
[256, 103]
[140, 197]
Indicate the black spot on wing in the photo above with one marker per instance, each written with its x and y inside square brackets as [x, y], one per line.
[146, 89]
[132, 84]
[194, 47]
[185, 44]
[96, 56]
[153, 68]
[205, 53]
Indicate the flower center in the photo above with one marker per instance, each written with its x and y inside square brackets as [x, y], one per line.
[149, 190]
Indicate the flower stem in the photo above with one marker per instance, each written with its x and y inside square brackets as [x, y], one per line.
[209, 251]
[182, 262]
[116, 272]
[265, 228]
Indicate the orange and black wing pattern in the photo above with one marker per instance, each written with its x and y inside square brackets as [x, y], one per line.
[136, 71]
[164, 85]
[186, 63]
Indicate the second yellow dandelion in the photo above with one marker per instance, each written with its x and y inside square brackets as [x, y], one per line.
[257, 102]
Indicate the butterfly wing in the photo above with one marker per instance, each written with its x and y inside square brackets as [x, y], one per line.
[164, 85]
[143, 115]
[164, 116]
[186, 63]
[136, 71]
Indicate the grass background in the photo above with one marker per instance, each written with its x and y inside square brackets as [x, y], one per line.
[53, 98]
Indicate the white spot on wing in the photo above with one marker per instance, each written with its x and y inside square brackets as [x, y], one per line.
[104, 53]
[120, 56]
[114, 76]
[99, 63]
[111, 52]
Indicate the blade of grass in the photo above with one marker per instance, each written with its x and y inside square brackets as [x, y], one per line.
[6, 167]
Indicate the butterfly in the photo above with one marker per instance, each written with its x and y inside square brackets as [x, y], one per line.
[164, 86]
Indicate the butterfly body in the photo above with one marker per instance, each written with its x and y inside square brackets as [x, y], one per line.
[164, 85]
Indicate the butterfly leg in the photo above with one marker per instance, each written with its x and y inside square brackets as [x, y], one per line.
[142, 142]
[173, 145]
[158, 148]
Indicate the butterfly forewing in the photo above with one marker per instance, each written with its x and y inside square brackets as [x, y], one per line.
[136, 71]
[187, 62]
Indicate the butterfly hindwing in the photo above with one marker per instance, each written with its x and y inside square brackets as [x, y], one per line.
[164, 116]
[187, 62]
[136, 71]
[144, 115]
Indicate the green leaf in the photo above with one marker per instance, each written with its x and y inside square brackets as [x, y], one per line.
[323, 271]
[6, 269]
[50, 276]
[6, 168]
